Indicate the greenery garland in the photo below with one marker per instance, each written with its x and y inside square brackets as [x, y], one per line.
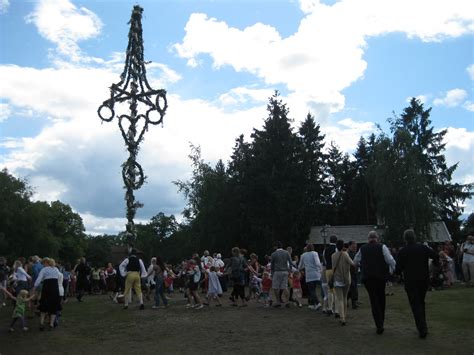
[134, 88]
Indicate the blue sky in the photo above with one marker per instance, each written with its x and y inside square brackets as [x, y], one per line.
[351, 63]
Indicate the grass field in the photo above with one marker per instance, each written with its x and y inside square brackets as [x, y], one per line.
[98, 326]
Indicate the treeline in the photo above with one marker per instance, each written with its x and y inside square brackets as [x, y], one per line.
[284, 180]
[53, 229]
[276, 185]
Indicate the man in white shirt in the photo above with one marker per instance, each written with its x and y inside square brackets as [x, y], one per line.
[468, 260]
[133, 269]
[376, 263]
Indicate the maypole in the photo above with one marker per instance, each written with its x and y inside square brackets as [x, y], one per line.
[143, 102]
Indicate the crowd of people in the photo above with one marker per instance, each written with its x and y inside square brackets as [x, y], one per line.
[281, 279]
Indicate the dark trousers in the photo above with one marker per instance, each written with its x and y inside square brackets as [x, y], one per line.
[376, 290]
[353, 294]
[416, 292]
[312, 297]
[238, 290]
[223, 282]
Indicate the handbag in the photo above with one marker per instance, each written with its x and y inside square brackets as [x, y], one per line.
[331, 280]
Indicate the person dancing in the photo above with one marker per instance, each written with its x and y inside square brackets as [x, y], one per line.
[133, 269]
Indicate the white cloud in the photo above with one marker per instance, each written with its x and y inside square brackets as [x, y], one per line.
[58, 93]
[460, 138]
[242, 95]
[4, 5]
[469, 105]
[470, 71]
[422, 98]
[325, 55]
[62, 23]
[100, 225]
[5, 111]
[460, 149]
[168, 75]
[77, 159]
[452, 98]
[47, 188]
[347, 133]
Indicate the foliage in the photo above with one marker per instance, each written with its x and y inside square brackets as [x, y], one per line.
[281, 182]
[410, 177]
[36, 228]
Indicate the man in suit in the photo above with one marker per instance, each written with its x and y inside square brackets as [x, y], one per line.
[376, 263]
[413, 262]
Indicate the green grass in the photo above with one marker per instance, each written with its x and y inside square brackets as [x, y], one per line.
[98, 326]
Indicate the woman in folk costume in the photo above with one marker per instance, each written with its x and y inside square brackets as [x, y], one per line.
[133, 269]
[214, 290]
[50, 301]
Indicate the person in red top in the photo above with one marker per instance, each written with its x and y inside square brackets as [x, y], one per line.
[297, 293]
[266, 286]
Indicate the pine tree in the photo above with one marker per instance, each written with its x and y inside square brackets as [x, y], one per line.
[312, 160]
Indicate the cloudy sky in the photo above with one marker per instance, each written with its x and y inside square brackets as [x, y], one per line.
[351, 63]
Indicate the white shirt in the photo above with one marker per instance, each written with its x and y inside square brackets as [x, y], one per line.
[123, 268]
[311, 264]
[218, 263]
[47, 273]
[60, 285]
[21, 275]
[467, 258]
[207, 261]
[386, 255]
[151, 273]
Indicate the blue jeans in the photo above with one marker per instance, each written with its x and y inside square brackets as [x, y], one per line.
[312, 297]
[160, 292]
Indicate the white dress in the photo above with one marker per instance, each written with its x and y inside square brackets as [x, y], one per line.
[214, 287]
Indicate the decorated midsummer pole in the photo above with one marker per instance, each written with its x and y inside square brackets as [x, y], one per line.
[134, 89]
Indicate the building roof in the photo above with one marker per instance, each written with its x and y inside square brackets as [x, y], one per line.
[439, 232]
[358, 233]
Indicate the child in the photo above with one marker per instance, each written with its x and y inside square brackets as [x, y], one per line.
[169, 280]
[255, 286]
[266, 286]
[214, 289]
[297, 292]
[95, 280]
[19, 312]
[194, 274]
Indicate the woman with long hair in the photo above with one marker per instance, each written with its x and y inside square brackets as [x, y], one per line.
[20, 276]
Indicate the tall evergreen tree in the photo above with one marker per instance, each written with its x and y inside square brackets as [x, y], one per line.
[312, 161]
[362, 205]
[413, 180]
[276, 180]
[340, 175]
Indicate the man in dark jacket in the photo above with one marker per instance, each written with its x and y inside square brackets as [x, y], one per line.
[413, 262]
[376, 263]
